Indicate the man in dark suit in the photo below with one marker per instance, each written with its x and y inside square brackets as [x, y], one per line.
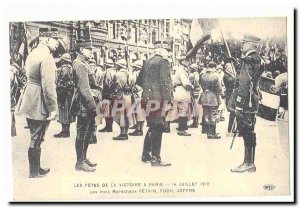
[155, 80]
[245, 100]
[83, 105]
[39, 101]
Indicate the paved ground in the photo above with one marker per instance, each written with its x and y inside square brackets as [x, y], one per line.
[200, 167]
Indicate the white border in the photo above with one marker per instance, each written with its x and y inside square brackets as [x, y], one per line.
[110, 9]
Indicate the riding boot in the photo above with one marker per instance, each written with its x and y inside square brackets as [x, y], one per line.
[167, 127]
[42, 171]
[146, 157]
[195, 123]
[212, 132]
[123, 135]
[33, 163]
[108, 125]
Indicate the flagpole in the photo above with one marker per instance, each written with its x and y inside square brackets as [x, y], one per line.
[228, 52]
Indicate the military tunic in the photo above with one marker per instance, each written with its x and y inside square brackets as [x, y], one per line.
[209, 98]
[123, 90]
[155, 80]
[66, 83]
[182, 94]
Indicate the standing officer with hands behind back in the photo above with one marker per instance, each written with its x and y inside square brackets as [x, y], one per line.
[83, 105]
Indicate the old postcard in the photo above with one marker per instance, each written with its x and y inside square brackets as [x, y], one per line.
[136, 109]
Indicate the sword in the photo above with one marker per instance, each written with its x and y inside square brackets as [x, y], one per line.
[234, 132]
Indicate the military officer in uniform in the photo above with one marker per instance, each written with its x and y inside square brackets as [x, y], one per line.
[155, 80]
[83, 105]
[209, 99]
[229, 82]
[137, 95]
[64, 88]
[39, 101]
[13, 97]
[194, 79]
[107, 100]
[245, 100]
[182, 96]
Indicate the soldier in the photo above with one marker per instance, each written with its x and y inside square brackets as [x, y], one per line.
[155, 80]
[13, 96]
[95, 84]
[107, 106]
[209, 99]
[39, 101]
[122, 93]
[194, 79]
[83, 105]
[64, 89]
[137, 95]
[221, 109]
[229, 82]
[245, 100]
[182, 96]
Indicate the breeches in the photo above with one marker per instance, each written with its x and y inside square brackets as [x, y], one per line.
[37, 131]
[246, 125]
[85, 127]
[210, 115]
[121, 116]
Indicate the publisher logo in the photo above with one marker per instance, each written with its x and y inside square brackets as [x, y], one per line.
[269, 187]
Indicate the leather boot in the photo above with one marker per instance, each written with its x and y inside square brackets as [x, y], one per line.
[195, 123]
[108, 125]
[212, 132]
[156, 162]
[247, 165]
[146, 157]
[167, 127]
[138, 131]
[122, 136]
[33, 163]
[42, 171]
[204, 128]
[65, 133]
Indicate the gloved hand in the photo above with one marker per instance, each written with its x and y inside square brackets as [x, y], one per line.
[51, 116]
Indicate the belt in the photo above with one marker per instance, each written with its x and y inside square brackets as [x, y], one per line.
[35, 83]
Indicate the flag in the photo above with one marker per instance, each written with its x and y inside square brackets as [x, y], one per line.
[200, 32]
[270, 102]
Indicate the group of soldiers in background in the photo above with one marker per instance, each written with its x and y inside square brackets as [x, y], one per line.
[77, 87]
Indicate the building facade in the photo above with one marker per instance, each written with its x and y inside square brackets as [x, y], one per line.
[129, 39]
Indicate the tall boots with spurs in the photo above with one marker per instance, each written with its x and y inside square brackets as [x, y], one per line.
[249, 155]
[35, 170]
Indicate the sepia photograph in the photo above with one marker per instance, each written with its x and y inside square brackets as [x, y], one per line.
[133, 109]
